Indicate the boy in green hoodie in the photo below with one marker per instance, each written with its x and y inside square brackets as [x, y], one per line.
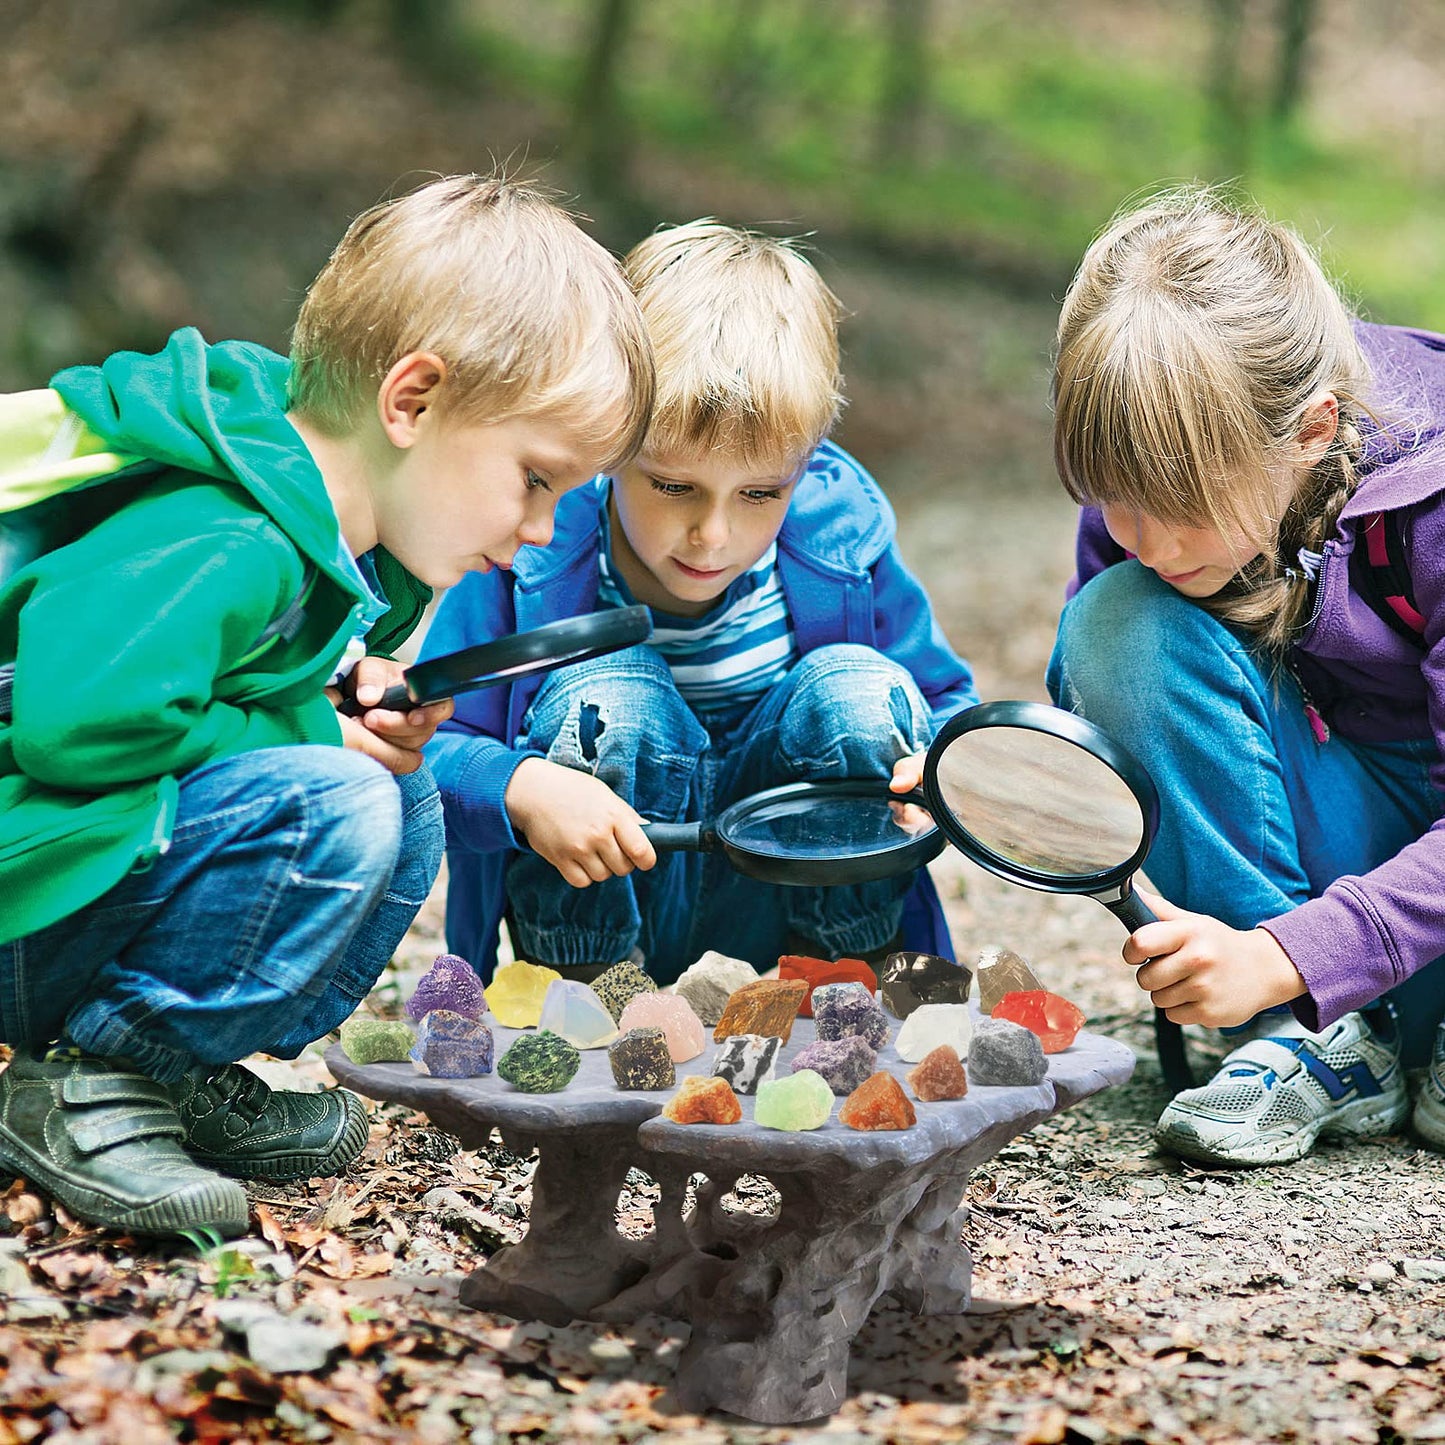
[200, 857]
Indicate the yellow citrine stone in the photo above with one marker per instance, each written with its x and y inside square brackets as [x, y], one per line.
[515, 994]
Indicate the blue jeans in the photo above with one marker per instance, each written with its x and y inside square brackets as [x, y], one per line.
[292, 875]
[1256, 816]
[843, 711]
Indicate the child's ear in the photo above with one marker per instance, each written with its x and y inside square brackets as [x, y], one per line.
[407, 393]
[1318, 427]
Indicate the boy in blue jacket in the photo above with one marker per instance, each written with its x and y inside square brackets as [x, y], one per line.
[791, 644]
[200, 856]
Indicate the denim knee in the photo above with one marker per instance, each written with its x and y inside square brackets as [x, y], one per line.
[622, 719]
[851, 712]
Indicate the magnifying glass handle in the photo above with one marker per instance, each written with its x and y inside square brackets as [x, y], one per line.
[394, 699]
[1134, 913]
[677, 837]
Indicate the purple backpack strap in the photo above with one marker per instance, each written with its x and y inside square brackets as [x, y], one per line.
[1390, 577]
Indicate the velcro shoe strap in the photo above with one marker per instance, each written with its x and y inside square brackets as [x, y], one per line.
[1263, 1054]
[105, 1128]
[113, 1089]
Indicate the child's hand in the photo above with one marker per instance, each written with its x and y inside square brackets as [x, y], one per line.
[908, 775]
[394, 739]
[1201, 971]
[578, 824]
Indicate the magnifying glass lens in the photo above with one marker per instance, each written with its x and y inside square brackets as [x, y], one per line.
[823, 827]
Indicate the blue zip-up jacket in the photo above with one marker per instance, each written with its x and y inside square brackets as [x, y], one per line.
[843, 580]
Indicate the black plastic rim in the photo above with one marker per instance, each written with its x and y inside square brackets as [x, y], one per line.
[1041, 718]
[573, 639]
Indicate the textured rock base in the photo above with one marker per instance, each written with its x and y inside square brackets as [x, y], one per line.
[774, 1303]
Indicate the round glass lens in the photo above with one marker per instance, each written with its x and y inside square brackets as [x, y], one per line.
[1039, 802]
[828, 828]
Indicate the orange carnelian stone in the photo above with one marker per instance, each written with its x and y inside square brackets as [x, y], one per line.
[1054, 1019]
[704, 1099]
[815, 972]
[878, 1103]
[767, 1007]
[939, 1074]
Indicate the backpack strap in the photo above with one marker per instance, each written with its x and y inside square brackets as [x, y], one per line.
[1388, 591]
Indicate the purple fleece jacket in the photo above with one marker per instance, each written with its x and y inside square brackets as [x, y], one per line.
[1365, 934]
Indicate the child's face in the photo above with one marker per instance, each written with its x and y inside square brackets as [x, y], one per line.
[690, 525]
[1196, 561]
[467, 495]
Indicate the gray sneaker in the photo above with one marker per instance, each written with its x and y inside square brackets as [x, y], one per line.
[1275, 1095]
[106, 1142]
[1429, 1117]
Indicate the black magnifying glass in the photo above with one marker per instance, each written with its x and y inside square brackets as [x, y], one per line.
[573, 639]
[1042, 798]
[814, 834]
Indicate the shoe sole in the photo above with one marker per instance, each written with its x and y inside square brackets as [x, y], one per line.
[219, 1204]
[1365, 1118]
[284, 1168]
[1429, 1119]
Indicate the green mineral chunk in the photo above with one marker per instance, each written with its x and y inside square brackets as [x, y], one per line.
[620, 985]
[797, 1101]
[376, 1041]
[539, 1063]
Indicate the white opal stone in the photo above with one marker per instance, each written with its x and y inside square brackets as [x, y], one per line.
[932, 1024]
[709, 982]
[573, 1012]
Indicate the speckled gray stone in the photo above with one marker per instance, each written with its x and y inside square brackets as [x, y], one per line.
[1006, 1053]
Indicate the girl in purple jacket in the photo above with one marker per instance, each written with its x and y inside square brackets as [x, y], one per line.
[1260, 618]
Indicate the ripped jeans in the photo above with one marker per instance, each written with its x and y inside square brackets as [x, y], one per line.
[844, 711]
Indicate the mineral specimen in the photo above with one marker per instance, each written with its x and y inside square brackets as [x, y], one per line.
[452, 1046]
[620, 984]
[1053, 1018]
[878, 1103]
[516, 992]
[640, 1060]
[674, 1016]
[451, 984]
[539, 1063]
[376, 1041]
[910, 979]
[817, 971]
[799, 1101]
[932, 1024]
[747, 1060]
[1005, 1053]
[572, 1011]
[707, 984]
[704, 1099]
[843, 1063]
[1001, 971]
[938, 1075]
[765, 1006]
[848, 1008]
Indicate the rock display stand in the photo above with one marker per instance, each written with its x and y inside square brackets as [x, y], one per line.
[774, 1302]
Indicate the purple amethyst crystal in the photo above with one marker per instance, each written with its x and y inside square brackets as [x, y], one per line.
[452, 984]
[843, 1063]
[841, 1009]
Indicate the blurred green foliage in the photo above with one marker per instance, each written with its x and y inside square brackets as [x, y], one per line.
[1026, 136]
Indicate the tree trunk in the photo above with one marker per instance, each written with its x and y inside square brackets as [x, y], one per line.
[904, 96]
[1296, 23]
[599, 121]
[1228, 110]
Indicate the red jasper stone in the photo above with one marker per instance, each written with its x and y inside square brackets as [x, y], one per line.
[815, 972]
[1054, 1019]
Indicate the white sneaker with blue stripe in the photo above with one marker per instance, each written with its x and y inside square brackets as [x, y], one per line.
[1429, 1120]
[1278, 1093]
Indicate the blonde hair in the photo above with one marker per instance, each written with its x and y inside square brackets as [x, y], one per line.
[745, 333]
[1191, 343]
[529, 313]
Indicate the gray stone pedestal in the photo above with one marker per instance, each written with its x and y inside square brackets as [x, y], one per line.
[774, 1303]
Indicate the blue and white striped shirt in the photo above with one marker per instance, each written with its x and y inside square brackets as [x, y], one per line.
[730, 655]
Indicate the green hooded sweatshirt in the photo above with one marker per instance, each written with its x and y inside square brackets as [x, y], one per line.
[136, 646]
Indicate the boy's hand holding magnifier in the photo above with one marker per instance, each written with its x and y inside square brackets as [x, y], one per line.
[394, 739]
